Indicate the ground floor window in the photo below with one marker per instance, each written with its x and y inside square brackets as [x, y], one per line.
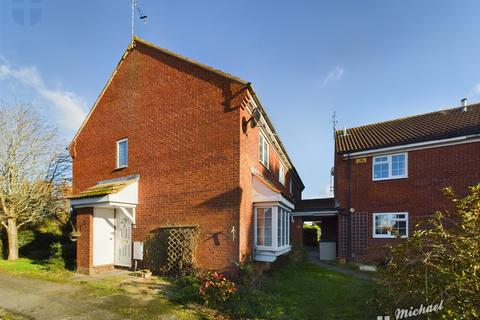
[272, 227]
[264, 227]
[388, 225]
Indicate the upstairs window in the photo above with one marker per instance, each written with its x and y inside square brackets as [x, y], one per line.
[390, 167]
[264, 151]
[389, 225]
[281, 174]
[122, 153]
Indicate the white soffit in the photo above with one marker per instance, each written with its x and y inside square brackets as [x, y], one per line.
[263, 194]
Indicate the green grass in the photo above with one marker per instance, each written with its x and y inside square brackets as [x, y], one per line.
[307, 291]
[34, 269]
[303, 291]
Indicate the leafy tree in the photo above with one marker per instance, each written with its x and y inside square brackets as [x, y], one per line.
[440, 261]
[33, 166]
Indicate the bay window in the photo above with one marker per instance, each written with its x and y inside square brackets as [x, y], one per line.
[264, 227]
[272, 228]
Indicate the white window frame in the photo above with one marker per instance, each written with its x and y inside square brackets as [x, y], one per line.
[389, 235]
[389, 162]
[118, 153]
[285, 227]
[281, 173]
[264, 155]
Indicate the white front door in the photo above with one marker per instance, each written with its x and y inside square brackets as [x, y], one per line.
[103, 234]
[123, 240]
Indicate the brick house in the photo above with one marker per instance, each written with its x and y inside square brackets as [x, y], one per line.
[389, 175]
[172, 143]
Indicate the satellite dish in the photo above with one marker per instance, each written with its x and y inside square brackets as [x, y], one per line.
[254, 120]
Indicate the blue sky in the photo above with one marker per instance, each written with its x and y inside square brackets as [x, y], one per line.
[367, 60]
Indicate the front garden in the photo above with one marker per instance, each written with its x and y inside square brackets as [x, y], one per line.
[295, 291]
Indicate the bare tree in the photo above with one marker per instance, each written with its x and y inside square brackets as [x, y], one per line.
[32, 163]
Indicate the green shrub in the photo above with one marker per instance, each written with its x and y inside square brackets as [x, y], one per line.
[297, 254]
[311, 235]
[216, 290]
[55, 260]
[440, 261]
[25, 237]
[187, 290]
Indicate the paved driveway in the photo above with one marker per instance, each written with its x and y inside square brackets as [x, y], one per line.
[39, 299]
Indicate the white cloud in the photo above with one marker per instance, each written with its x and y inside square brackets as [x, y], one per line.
[334, 75]
[67, 107]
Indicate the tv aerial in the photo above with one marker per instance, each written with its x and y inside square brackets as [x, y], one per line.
[142, 16]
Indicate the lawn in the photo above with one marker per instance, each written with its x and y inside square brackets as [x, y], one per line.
[307, 291]
[303, 291]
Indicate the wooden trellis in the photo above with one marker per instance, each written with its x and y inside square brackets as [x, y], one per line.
[171, 250]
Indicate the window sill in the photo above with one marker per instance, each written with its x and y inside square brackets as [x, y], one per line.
[387, 237]
[390, 178]
[265, 166]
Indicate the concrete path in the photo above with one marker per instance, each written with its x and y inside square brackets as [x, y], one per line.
[39, 299]
[313, 257]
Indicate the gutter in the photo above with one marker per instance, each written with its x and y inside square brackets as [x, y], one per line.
[416, 146]
[270, 124]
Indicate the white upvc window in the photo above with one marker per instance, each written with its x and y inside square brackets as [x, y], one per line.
[388, 225]
[264, 151]
[393, 166]
[122, 153]
[281, 173]
[272, 228]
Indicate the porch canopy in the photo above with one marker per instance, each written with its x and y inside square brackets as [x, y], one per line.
[117, 193]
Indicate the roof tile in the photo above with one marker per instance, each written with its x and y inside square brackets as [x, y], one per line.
[442, 124]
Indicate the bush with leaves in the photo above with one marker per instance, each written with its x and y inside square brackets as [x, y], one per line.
[439, 261]
[311, 235]
[216, 290]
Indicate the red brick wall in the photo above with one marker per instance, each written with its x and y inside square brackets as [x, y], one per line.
[296, 230]
[182, 124]
[185, 140]
[429, 171]
[249, 158]
[84, 225]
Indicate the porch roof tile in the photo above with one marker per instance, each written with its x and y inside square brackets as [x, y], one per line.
[102, 189]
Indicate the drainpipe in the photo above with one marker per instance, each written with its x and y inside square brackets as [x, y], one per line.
[348, 209]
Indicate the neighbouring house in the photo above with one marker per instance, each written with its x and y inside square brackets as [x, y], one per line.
[390, 175]
[179, 161]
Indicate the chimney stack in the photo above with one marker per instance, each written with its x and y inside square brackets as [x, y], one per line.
[464, 104]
